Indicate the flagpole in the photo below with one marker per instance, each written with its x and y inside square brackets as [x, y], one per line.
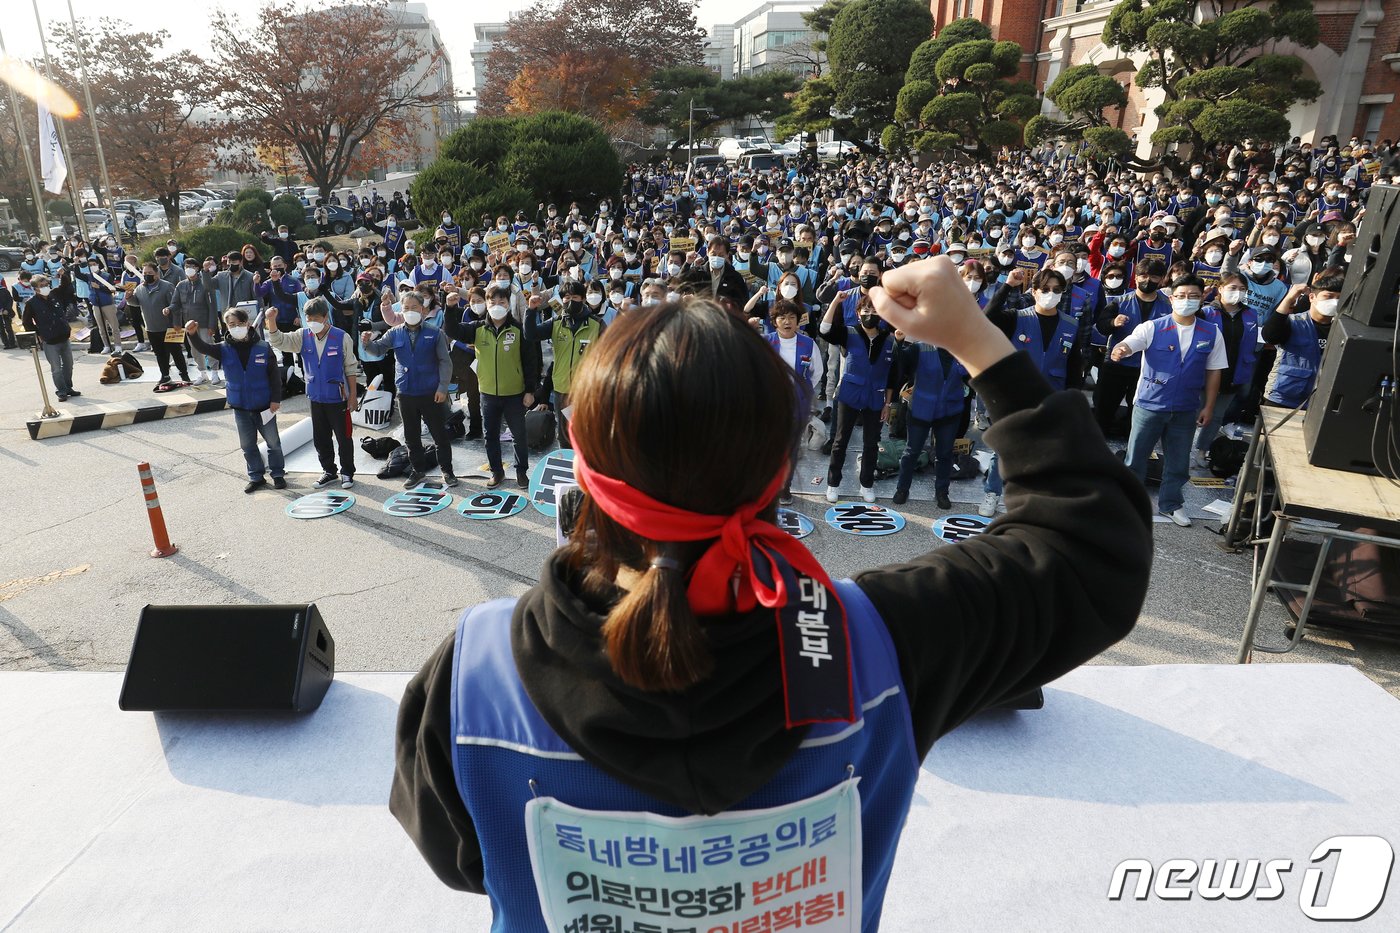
[92, 117]
[62, 132]
[28, 157]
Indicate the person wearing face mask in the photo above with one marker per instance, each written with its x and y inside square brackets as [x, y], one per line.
[45, 317]
[570, 334]
[395, 239]
[505, 371]
[451, 231]
[280, 297]
[785, 264]
[1300, 337]
[1211, 258]
[332, 378]
[1116, 321]
[428, 270]
[281, 243]
[1266, 290]
[933, 385]
[1301, 262]
[102, 295]
[1239, 327]
[799, 351]
[1028, 254]
[720, 271]
[1183, 357]
[194, 301]
[154, 296]
[868, 383]
[471, 310]
[234, 284]
[254, 387]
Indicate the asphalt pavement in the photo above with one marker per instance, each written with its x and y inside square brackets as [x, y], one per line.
[75, 571]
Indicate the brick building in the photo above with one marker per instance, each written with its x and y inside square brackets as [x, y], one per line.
[1357, 60]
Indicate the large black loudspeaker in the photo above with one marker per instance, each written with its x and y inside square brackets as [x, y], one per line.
[229, 658]
[1373, 275]
[1348, 422]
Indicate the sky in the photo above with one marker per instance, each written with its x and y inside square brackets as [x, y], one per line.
[188, 26]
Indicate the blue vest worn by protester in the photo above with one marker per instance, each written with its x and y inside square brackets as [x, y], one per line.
[938, 389]
[247, 388]
[1248, 354]
[415, 360]
[1170, 382]
[1053, 361]
[325, 373]
[503, 746]
[1131, 306]
[1295, 369]
[864, 381]
[806, 353]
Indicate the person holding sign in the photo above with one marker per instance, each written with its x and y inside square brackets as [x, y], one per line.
[682, 654]
[332, 371]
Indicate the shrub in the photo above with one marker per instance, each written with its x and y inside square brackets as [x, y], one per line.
[250, 214]
[214, 240]
[254, 194]
[288, 210]
[484, 141]
[447, 184]
[304, 232]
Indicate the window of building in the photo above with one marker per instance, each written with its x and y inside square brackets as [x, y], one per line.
[1375, 115]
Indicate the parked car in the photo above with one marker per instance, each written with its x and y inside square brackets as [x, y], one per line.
[733, 147]
[836, 149]
[10, 258]
[153, 226]
[341, 220]
[212, 206]
[141, 209]
[760, 161]
[710, 162]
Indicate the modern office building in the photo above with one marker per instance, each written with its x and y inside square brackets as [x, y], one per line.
[773, 36]
[433, 68]
[719, 51]
[486, 34]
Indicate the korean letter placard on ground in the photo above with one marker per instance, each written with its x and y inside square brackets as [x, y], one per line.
[796, 866]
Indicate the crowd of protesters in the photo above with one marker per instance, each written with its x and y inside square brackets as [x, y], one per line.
[1072, 259]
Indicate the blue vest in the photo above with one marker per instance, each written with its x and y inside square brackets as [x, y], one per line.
[247, 388]
[393, 239]
[1053, 361]
[502, 744]
[864, 382]
[1248, 354]
[1170, 382]
[938, 393]
[1084, 299]
[325, 375]
[1131, 305]
[1295, 369]
[806, 353]
[416, 362]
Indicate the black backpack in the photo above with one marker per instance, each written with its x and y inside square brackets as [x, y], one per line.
[1226, 456]
[539, 429]
[379, 447]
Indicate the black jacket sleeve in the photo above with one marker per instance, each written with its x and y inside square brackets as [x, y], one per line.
[1277, 329]
[1001, 309]
[1053, 582]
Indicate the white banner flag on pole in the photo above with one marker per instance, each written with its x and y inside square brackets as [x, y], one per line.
[51, 162]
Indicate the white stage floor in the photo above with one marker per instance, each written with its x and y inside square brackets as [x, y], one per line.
[128, 821]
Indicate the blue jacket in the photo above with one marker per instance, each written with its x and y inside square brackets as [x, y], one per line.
[1247, 354]
[864, 381]
[938, 389]
[1170, 382]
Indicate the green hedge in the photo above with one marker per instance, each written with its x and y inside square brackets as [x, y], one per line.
[288, 210]
[254, 194]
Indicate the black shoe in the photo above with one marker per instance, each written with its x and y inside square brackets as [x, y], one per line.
[495, 481]
[826, 448]
[944, 502]
[63, 398]
[95, 352]
[522, 480]
[901, 496]
[72, 392]
[826, 415]
[785, 497]
[326, 480]
[414, 478]
[473, 435]
[279, 483]
[255, 484]
[449, 480]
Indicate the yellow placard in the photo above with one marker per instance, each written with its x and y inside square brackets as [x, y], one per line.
[683, 243]
[495, 242]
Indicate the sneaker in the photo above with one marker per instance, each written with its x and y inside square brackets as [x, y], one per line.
[279, 482]
[414, 478]
[449, 480]
[95, 352]
[325, 480]
[495, 480]
[62, 398]
[901, 496]
[346, 482]
[1198, 460]
[832, 494]
[522, 480]
[867, 493]
[826, 447]
[982, 423]
[255, 484]
[1179, 517]
[198, 379]
[944, 502]
[141, 347]
[473, 435]
[988, 508]
[216, 378]
[72, 392]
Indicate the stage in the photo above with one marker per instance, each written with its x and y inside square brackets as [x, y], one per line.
[129, 821]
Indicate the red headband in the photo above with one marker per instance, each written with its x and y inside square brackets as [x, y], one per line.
[726, 579]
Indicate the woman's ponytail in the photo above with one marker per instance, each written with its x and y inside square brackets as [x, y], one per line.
[654, 642]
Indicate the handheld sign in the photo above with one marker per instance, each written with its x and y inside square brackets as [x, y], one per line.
[683, 243]
[955, 528]
[487, 506]
[795, 523]
[495, 242]
[548, 478]
[860, 518]
[416, 502]
[320, 505]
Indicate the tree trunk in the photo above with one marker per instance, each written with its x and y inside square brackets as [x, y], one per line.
[172, 211]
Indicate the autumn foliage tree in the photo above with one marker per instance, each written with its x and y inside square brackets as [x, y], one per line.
[154, 108]
[323, 78]
[574, 51]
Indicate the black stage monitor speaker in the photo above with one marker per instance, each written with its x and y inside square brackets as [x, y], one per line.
[1373, 275]
[229, 658]
[1340, 426]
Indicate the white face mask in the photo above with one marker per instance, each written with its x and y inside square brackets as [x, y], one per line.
[1259, 268]
[788, 291]
[1113, 283]
[1046, 300]
[1327, 307]
[316, 327]
[1027, 242]
[478, 307]
[44, 290]
[1066, 271]
[320, 255]
[673, 296]
[525, 268]
[447, 220]
[1232, 296]
[1214, 257]
[1056, 239]
[498, 312]
[313, 284]
[594, 299]
[191, 273]
[1316, 240]
[412, 318]
[973, 285]
[1186, 307]
[332, 265]
[238, 332]
[1117, 251]
[614, 274]
[1271, 240]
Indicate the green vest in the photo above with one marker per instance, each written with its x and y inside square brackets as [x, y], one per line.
[569, 346]
[499, 367]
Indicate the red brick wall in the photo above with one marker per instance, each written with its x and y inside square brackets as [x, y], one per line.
[1379, 78]
[1334, 30]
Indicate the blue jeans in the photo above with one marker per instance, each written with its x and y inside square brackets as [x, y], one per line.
[1174, 429]
[250, 425]
[945, 432]
[991, 482]
[1227, 407]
